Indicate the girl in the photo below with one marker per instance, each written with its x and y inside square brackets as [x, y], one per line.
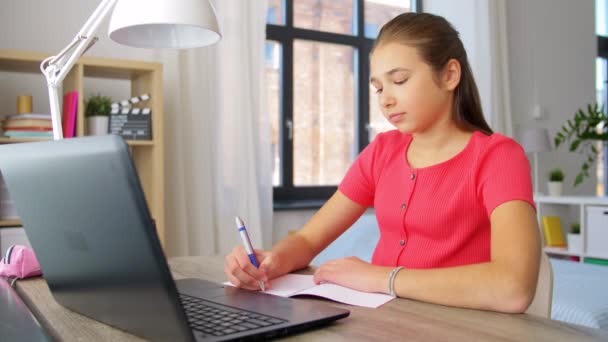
[453, 200]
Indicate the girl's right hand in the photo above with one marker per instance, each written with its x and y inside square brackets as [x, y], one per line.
[241, 272]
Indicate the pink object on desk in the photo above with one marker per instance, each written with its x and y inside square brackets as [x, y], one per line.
[19, 262]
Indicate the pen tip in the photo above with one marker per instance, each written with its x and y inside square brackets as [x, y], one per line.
[239, 222]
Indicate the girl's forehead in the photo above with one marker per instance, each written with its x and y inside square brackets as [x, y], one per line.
[393, 55]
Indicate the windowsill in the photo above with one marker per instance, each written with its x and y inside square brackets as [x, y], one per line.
[297, 204]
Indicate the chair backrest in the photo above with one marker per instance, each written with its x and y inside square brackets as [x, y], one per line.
[541, 304]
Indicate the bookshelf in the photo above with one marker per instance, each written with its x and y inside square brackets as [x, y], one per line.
[143, 77]
[582, 210]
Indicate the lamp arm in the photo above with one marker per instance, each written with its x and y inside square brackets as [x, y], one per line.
[56, 68]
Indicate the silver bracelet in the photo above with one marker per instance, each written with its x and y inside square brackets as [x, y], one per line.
[391, 280]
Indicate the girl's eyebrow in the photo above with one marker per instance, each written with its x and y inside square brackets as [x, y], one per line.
[389, 73]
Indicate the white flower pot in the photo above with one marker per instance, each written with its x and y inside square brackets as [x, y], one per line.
[555, 188]
[575, 243]
[97, 125]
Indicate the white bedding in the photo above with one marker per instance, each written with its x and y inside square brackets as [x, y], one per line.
[580, 293]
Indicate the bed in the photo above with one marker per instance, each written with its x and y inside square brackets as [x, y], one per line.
[580, 293]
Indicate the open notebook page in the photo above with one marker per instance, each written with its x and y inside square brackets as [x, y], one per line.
[298, 284]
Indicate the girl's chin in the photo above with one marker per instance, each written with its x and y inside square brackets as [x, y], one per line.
[404, 128]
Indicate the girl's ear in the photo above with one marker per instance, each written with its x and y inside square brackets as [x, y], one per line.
[451, 74]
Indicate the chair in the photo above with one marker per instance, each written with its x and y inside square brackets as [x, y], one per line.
[541, 304]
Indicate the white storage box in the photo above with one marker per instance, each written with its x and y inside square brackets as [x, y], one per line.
[597, 232]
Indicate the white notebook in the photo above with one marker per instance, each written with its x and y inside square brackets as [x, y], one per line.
[291, 285]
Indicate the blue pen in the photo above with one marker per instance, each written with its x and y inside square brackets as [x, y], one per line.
[247, 243]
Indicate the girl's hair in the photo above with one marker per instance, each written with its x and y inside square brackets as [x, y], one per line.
[437, 42]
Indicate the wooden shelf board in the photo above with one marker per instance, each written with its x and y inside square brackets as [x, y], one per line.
[21, 61]
[560, 251]
[7, 140]
[140, 142]
[10, 223]
[572, 200]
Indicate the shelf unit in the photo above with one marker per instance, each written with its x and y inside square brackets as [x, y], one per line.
[570, 209]
[144, 77]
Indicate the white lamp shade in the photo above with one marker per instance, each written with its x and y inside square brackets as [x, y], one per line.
[535, 139]
[176, 24]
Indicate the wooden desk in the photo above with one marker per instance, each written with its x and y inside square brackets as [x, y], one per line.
[400, 319]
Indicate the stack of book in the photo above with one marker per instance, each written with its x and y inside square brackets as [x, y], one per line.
[28, 125]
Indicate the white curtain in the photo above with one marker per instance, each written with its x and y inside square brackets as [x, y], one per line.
[217, 137]
[501, 118]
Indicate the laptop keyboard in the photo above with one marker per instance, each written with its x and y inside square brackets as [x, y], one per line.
[218, 320]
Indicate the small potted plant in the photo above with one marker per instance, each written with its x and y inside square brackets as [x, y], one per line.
[575, 243]
[556, 179]
[98, 109]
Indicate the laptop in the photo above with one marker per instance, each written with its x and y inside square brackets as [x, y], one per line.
[17, 323]
[85, 214]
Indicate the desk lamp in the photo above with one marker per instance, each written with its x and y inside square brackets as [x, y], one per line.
[172, 24]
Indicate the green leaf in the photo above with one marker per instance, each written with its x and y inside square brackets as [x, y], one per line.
[574, 145]
[585, 166]
[579, 179]
[594, 149]
[570, 124]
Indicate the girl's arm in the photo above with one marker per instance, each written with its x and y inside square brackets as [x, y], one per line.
[506, 283]
[298, 249]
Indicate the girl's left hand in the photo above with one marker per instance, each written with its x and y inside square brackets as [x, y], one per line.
[353, 273]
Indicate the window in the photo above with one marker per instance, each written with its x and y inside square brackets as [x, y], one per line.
[601, 29]
[318, 91]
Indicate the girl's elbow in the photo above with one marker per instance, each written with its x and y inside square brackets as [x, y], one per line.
[516, 299]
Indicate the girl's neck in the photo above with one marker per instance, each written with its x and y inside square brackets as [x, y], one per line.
[438, 137]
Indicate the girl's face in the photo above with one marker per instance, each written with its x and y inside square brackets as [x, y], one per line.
[410, 96]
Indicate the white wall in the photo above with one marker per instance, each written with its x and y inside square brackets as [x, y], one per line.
[552, 43]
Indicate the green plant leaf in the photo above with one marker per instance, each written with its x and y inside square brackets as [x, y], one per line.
[579, 179]
[574, 145]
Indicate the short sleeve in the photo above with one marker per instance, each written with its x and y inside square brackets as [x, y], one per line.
[359, 182]
[504, 175]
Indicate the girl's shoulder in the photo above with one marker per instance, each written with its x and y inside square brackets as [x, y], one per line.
[496, 140]
[498, 146]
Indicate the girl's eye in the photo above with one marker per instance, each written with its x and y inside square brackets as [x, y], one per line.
[401, 82]
[378, 91]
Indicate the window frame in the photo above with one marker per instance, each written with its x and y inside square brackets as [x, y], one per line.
[287, 195]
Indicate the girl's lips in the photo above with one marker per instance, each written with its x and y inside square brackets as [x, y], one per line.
[395, 117]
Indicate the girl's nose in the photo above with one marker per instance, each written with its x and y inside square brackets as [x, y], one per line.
[386, 100]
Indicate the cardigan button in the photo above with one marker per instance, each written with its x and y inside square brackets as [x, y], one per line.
[412, 176]
[402, 242]
[403, 206]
